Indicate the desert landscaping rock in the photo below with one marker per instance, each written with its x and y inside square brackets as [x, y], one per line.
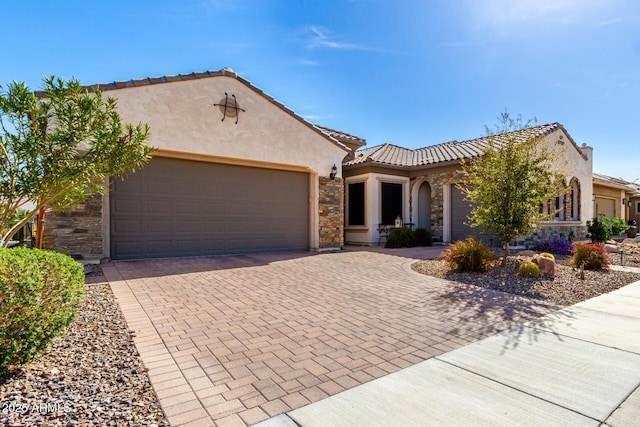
[566, 288]
[547, 265]
[90, 376]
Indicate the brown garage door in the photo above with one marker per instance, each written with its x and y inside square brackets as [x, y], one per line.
[174, 208]
[606, 207]
[460, 211]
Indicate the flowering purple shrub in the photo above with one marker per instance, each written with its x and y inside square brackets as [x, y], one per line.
[556, 247]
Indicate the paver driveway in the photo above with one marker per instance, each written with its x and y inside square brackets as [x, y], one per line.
[234, 340]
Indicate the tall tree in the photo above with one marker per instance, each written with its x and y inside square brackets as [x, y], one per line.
[57, 147]
[516, 174]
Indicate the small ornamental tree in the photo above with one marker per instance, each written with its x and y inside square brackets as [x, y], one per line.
[507, 184]
[58, 146]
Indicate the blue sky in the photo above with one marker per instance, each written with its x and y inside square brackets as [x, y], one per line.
[411, 73]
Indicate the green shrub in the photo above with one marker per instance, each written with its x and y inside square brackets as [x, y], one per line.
[423, 237]
[597, 231]
[590, 256]
[40, 292]
[548, 255]
[616, 225]
[401, 237]
[468, 255]
[603, 229]
[529, 269]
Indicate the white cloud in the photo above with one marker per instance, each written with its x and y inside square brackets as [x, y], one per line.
[218, 6]
[321, 37]
[504, 17]
[314, 118]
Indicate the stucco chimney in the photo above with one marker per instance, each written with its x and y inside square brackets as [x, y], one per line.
[587, 150]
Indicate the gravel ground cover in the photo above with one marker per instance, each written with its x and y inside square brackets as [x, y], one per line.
[90, 376]
[566, 288]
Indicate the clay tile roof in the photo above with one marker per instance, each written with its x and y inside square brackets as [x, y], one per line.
[615, 182]
[342, 136]
[164, 79]
[386, 154]
[446, 152]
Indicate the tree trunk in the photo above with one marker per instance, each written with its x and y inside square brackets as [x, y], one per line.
[506, 253]
[15, 228]
[40, 231]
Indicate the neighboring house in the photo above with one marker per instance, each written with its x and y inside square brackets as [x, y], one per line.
[634, 205]
[235, 171]
[616, 197]
[385, 182]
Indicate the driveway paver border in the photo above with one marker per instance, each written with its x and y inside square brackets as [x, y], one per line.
[177, 398]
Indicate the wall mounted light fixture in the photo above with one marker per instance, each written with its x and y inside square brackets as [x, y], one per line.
[624, 201]
[334, 172]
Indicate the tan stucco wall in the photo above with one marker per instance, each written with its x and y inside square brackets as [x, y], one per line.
[608, 192]
[183, 119]
[634, 210]
[185, 124]
[368, 234]
[604, 193]
[572, 164]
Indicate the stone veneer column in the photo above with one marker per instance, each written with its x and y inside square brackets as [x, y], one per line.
[76, 232]
[437, 181]
[331, 213]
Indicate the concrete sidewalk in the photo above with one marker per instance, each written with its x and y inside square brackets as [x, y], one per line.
[579, 366]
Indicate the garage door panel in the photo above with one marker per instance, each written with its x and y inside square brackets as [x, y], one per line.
[189, 245]
[126, 206]
[125, 226]
[607, 207]
[158, 207]
[188, 227]
[155, 187]
[161, 247]
[188, 208]
[159, 226]
[460, 212]
[236, 208]
[212, 209]
[181, 208]
[134, 248]
[133, 185]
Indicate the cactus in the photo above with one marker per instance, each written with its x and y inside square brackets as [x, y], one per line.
[529, 269]
[548, 255]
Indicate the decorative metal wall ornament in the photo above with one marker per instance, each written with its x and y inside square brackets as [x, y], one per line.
[229, 107]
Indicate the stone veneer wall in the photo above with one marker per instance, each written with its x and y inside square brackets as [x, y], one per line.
[555, 232]
[437, 181]
[76, 232]
[331, 213]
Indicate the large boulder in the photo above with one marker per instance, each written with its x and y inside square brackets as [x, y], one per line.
[613, 249]
[547, 265]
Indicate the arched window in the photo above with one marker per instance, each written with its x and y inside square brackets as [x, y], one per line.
[573, 200]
